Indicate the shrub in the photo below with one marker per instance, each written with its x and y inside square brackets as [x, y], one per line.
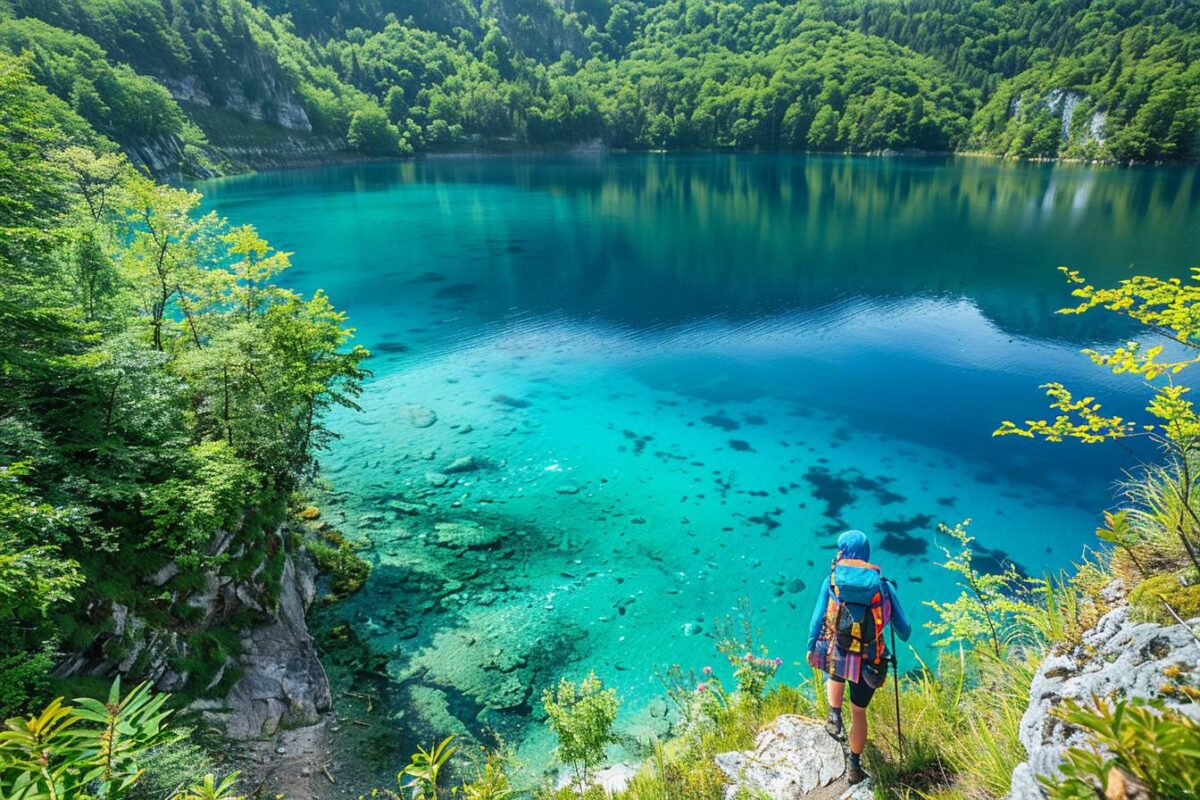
[1132, 742]
[335, 556]
[372, 133]
[582, 718]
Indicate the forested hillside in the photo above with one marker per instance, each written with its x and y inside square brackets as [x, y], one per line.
[156, 388]
[196, 81]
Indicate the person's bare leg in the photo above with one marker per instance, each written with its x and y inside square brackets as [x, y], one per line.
[858, 729]
[858, 740]
[835, 691]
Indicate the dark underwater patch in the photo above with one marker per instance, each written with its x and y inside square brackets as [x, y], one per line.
[722, 421]
[902, 544]
[843, 488]
[510, 402]
[741, 446]
[456, 291]
[390, 347]
[903, 526]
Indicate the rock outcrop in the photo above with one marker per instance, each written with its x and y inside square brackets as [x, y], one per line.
[793, 759]
[1118, 657]
[280, 681]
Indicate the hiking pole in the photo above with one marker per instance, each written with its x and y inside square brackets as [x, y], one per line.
[896, 683]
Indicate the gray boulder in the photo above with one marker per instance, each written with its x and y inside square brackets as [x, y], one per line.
[1118, 658]
[793, 759]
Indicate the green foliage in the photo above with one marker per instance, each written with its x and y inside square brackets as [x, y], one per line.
[335, 557]
[171, 765]
[209, 788]
[1132, 741]
[84, 751]
[1149, 599]
[489, 780]
[156, 389]
[425, 769]
[1109, 80]
[371, 132]
[581, 717]
[990, 603]
[1167, 309]
[739, 640]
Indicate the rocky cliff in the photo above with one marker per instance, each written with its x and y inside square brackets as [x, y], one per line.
[1118, 657]
[275, 679]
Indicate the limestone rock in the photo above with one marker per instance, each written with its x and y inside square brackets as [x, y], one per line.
[1118, 658]
[282, 681]
[793, 759]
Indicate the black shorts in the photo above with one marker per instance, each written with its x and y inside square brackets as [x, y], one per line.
[860, 693]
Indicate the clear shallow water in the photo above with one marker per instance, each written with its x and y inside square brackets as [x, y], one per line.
[679, 377]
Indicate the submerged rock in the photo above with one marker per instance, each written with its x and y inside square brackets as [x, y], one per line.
[466, 534]
[793, 759]
[464, 464]
[419, 416]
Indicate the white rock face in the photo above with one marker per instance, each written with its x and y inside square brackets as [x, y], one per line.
[1118, 658]
[793, 759]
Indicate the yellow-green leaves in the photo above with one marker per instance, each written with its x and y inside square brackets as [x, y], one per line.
[1080, 419]
[89, 750]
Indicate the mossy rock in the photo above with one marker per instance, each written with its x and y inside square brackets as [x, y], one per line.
[309, 513]
[1146, 600]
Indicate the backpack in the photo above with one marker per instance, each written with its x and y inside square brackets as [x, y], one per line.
[855, 613]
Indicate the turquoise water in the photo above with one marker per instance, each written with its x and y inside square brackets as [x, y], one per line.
[674, 379]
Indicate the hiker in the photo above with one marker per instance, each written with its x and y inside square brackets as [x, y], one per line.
[845, 638]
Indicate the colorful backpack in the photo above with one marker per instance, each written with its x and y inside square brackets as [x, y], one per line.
[854, 616]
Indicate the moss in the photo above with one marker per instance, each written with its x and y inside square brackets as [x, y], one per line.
[309, 513]
[336, 558]
[1146, 600]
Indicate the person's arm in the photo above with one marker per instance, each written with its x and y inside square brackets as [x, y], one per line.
[899, 620]
[818, 615]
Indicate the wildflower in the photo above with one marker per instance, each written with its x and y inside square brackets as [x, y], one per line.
[708, 670]
[779, 662]
[701, 688]
[749, 657]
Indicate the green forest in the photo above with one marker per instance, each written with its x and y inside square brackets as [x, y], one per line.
[1112, 80]
[157, 387]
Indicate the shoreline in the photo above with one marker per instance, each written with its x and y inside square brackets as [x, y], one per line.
[346, 158]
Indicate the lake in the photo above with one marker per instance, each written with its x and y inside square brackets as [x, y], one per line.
[614, 394]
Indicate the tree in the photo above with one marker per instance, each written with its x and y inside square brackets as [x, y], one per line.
[1169, 309]
[371, 133]
[823, 133]
[582, 718]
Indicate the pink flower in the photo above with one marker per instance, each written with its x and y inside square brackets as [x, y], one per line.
[779, 662]
[701, 687]
[749, 657]
[708, 670]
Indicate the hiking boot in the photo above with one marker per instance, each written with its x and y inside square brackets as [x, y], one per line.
[835, 729]
[855, 774]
